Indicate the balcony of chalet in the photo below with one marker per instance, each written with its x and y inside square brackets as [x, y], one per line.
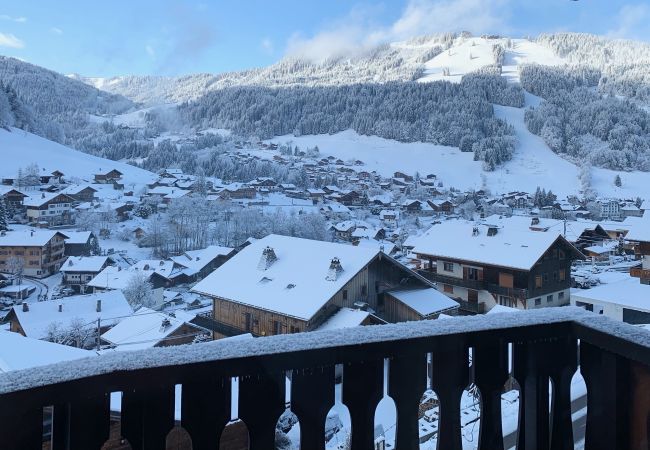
[69, 403]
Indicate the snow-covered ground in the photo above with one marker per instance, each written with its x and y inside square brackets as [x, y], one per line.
[19, 149]
[469, 55]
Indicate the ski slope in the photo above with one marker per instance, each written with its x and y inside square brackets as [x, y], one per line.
[18, 149]
[469, 55]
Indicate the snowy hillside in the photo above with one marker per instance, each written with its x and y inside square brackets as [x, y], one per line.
[469, 55]
[20, 149]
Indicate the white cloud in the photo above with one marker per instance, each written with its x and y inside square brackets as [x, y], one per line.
[56, 30]
[356, 33]
[267, 46]
[631, 22]
[13, 19]
[11, 41]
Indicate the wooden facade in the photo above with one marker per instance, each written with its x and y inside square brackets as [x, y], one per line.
[367, 287]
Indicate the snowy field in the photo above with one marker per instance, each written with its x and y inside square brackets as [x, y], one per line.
[474, 53]
[19, 149]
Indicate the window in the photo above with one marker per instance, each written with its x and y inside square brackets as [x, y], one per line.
[294, 329]
[545, 276]
[448, 288]
[538, 301]
[560, 295]
[562, 274]
[505, 301]
[248, 321]
[549, 298]
[364, 290]
[345, 294]
[472, 273]
[448, 267]
[277, 327]
[538, 281]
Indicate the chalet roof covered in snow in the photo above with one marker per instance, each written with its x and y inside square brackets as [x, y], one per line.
[639, 228]
[84, 263]
[196, 260]
[36, 321]
[425, 301]
[145, 329]
[42, 198]
[628, 292]
[114, 277]
[27, 238]
[19, 352]
[471, 241]
[345, 318]
[296, 281]
[77, 237]
[77, 188]
[163, 267]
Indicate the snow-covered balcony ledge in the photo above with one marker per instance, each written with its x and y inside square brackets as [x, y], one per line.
[532, 346]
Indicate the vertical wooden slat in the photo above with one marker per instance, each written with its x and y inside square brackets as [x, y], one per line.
[407, 381]
[312, 396]
[147, 416]
[450, 376]
[261, 402]
[21, 425]
[81, 424]
[562, 366]
[362, 390]
[490, 368]
[530, 371]
[205, 411]
[606, 378]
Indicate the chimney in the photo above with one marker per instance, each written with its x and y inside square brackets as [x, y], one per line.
[60, 307]
[31, 233]
[492, 230]
[99, 306]
[43, 195]
[25, 307]
[267, 259]
[475, 231]
[534, 221]
[334, 270]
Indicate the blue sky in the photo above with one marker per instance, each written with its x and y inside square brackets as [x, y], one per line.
[171, 37]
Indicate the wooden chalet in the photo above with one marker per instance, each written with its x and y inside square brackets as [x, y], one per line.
[277, 292]
[109, 177]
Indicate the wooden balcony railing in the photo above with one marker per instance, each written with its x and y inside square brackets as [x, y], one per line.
[638, 272]
[547, 344]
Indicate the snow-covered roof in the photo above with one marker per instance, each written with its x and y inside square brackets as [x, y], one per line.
[27, 238]
[510, 247]
[164, 267]
[384, 246]
[145, 329]
[19, 352]
[628, 292]
[639, 229]
[425, 301]
[37, 319]
[502, 309]
[198, 259]
[298, 283]
[77, 188]
[42, 198]
[114, 277]
[345, 318]
[606, 247]
[84, 263]
[77, 237]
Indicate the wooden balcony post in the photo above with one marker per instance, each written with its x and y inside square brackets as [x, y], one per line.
[312, 397]
[81, 424]
[261, 402]
[490, 361]
[147, 416]
[363, 388]
[21, 424]
[407, 381]
[205, 411]
[449, 379]
[608, 402]
[562, 367]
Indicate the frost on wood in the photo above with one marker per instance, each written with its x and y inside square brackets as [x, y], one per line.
[227, 350]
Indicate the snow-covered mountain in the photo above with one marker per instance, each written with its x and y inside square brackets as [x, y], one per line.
[27, 148]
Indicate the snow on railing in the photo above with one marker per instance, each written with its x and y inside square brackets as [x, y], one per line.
[227, 350]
